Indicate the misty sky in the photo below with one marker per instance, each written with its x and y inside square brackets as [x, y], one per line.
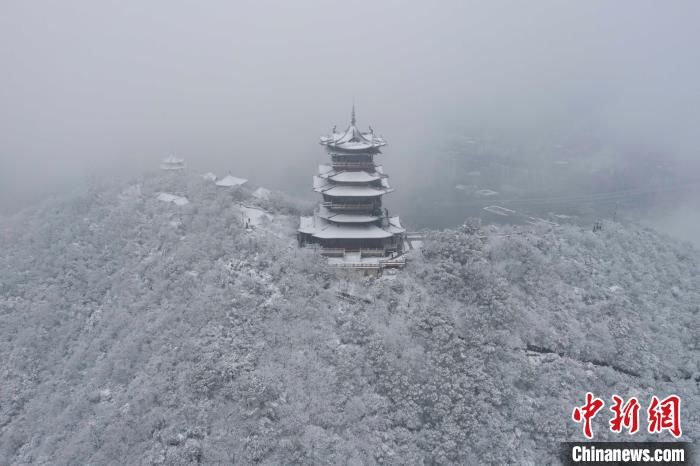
[92, 87]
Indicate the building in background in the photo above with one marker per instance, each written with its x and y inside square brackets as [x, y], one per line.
[172, 164]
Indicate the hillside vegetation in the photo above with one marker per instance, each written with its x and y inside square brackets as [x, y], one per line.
[137, 331]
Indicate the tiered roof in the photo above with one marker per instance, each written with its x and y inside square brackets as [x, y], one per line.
[359, 218]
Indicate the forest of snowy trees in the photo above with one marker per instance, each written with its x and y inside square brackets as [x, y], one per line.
[135, 331]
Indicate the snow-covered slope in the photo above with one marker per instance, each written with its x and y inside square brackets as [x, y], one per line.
[135, 331]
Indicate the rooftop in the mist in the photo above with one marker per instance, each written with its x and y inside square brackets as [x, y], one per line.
[352, 139]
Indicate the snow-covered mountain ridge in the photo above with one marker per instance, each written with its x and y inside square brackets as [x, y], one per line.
[137, 331]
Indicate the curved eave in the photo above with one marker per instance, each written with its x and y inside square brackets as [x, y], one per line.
[353, 191]
[395, 226]
[348, 218]
[321, 228]
[354, 177]
[353, 149]
[327, 171]
[336, 231]
[321, 185]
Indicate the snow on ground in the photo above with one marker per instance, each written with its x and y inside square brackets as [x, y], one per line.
[177, 200]
[486, 192]
[254, 216]
[498, 210]
[353, 258]
[238, 374]
[262, 193]
[130, 193]
[412, 243]
[536, 220]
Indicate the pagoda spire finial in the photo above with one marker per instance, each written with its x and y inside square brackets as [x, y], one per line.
[352, 119]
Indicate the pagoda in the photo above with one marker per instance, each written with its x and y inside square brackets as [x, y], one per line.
[172, 163]
[351, 226]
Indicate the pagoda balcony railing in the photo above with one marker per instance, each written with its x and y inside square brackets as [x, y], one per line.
[353, 165]
[358, 265]
[372, 252]
[398, 262]
[394, 262]
[339, 206]
[364, 252]
[333, 252]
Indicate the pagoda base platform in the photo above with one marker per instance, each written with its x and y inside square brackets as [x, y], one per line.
[355, 260]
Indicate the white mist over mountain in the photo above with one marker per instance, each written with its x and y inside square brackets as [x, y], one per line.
[112, 87]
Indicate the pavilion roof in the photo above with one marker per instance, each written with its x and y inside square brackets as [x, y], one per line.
[229, 181]
[352, 139]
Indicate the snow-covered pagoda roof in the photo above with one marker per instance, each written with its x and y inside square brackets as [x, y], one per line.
[323, 229]
[172, 163]
[352, 139]
[326, 171]
[395, 225]
[350, 190]
[332, 216]
[229, 181]
[173, 159]
[346, 231]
